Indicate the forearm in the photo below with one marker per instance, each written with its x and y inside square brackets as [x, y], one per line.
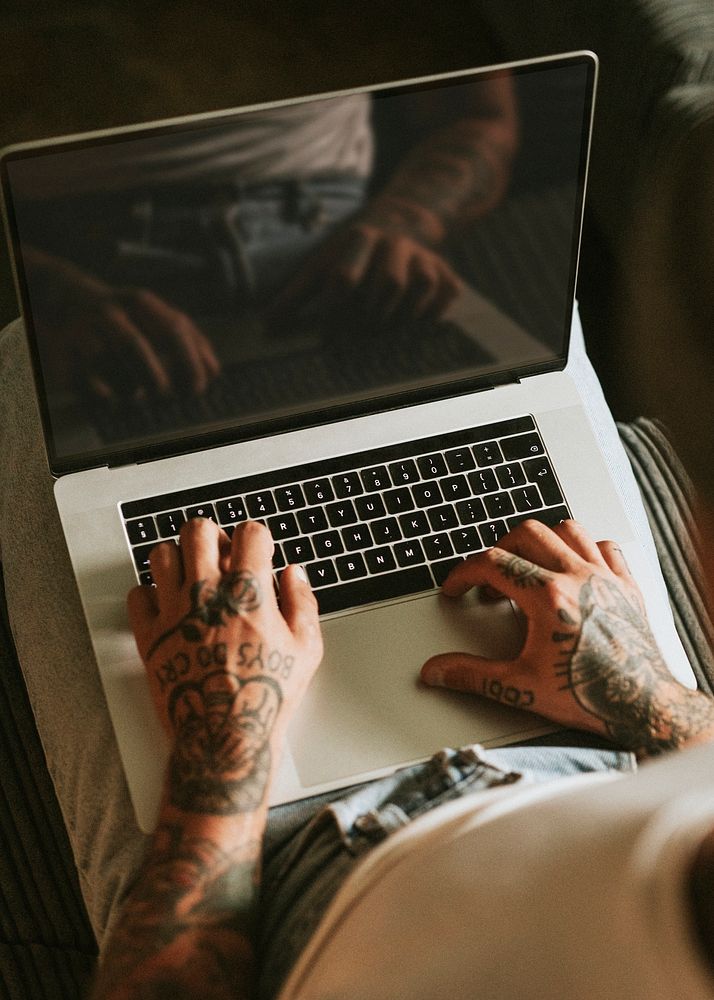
[186, 926]
[456, 174]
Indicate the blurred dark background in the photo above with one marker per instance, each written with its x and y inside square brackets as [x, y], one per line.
[79, 65]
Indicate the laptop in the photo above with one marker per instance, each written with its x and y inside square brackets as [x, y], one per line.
[348, 316]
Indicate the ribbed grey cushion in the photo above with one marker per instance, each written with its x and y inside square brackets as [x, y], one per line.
[47, 948]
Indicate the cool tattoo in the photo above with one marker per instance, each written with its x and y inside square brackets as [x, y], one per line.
[220, 763]
[236, 593]
[509, 695]
[253, 655]
[612, 665]
[523, 573]
[179, 665]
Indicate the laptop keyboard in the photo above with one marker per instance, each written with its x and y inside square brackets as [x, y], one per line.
[375, 525]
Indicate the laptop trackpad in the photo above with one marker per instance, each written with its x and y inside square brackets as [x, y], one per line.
[368, 706]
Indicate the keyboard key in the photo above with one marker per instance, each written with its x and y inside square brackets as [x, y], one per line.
[404, 472]
[466, 539]
[499, 505]
[327, 544]
[538, 470]
[372, 589]
[441, 518]
[460, 459]
[260, 504]
[279, 560]
[369, 507]
[492, 532]
[289, 497]
[142, 529]
[321, 574]
[386, 530]
[141, 557]
[489, 453]
[169, 524]
[318, 491]
[231, 511]
[347, 485]
[146, 579]
[283, 526]
[409, 553]
[399, 500]
[427, 494]
[437, 546]
[455, 488]
[471, 511]
[414, 524]
[483, 481]
[432, 466]
[510, 475]
[351, 567]
[312, 519]
[356, 537]
[202, 510]
[551, 517]
[375, 479]
[442, 569]
[298, 550]
[341, 512]
[527, 499]
[380, 560]
[522, 446]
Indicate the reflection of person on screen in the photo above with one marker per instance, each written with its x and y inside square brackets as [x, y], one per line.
[386, 260]
[270, 209]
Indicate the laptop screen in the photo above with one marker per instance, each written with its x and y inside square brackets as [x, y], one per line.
[202, 281]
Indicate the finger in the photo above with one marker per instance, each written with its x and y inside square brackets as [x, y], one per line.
[139, 347]
[466, 672]
[299, 605]
[200, 551]
[449, 288]
[166, 569]
[178, 332]
[251, 556]
[386, 279]
[574, 535]
[142, 611]
[613, 556]
[540, 544]
[503, 571]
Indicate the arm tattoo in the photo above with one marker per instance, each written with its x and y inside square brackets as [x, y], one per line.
[235, 594]
[523, 573]
[187, 922]
[612, 665]
[220, 763]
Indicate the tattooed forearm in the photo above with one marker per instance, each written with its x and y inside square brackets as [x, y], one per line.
[235, 594]
[187, 922]
[611, 663]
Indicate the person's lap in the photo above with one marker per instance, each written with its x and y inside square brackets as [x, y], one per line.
[58, 663]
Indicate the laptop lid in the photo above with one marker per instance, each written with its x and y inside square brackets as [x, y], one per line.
[199, 281]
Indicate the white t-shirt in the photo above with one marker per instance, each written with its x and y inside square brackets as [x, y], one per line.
[574, 889]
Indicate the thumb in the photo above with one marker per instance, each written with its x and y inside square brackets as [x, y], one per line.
[466, 672]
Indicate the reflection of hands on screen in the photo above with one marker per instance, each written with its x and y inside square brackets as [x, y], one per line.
[121, 342]
[384, 276]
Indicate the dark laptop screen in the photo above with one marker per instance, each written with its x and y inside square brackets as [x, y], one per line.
[208, 280]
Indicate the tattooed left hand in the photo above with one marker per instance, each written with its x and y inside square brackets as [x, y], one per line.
[589, 659]
[227, 665]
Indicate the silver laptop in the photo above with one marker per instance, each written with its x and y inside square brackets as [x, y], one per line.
[347, 316]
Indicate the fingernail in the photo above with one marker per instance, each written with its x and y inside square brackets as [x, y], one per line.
[434, 676]
[300, 571]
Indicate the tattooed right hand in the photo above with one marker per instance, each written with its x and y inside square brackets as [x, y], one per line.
[589, 659]
[227, 664]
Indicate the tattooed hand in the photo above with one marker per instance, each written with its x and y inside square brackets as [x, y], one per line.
[589, 659]
[227, 666]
